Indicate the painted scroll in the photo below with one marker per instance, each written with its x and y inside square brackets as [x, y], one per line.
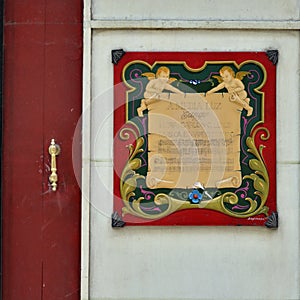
[193, 138]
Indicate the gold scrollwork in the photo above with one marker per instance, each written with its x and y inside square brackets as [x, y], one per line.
[260, 178]
[128, 185]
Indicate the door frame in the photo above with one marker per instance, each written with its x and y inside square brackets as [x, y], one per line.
[1, 141]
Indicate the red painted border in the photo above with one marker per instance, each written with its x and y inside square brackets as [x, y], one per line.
[196, 60]
[42, 100]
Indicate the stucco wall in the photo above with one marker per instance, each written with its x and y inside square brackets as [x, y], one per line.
[191, 262]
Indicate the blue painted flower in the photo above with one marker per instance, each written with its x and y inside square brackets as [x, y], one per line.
[195, 196]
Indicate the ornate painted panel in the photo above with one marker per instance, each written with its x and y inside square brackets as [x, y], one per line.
[195, 138]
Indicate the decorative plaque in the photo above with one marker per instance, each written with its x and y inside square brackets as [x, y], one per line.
[194, 138]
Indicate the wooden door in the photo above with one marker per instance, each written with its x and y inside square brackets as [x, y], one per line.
[42, 100]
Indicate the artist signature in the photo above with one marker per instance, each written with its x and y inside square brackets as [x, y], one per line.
[256, 219]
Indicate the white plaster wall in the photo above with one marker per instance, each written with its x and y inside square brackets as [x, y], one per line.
[196, 9]
[194, 262]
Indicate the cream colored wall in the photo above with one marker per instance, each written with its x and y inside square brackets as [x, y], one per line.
[187, 262]
[196, 10]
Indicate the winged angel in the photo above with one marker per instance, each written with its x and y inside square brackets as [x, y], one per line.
[235, 87]
[157, 83]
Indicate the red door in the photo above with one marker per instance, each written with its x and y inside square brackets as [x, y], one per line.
[42, 100]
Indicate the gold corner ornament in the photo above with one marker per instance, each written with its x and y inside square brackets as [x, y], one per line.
[54, 150]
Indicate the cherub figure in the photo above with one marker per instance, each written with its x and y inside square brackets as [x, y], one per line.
[157, 83]
[235, 87]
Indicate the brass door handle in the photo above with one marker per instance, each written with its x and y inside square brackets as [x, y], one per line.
[54, 150]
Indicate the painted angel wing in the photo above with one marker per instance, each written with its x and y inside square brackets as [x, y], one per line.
[240, 75]
[149, 75]
[172, 80]
[219, 78]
